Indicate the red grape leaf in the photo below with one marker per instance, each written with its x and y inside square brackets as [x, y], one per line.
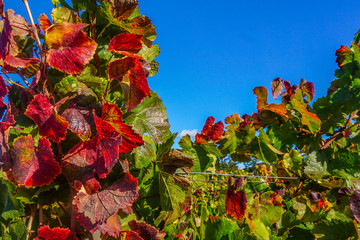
[3, 93]
[199, 138]
[290, 90]
[79, 122]
[235, 201]
[99, 153]
[108, 144]
[276, 87]
[46, 233]
[44, 22]
[2, 8]
[112, 226]
[307, 89]
[70, 48]
[93, 210]
[34, 166]
[144, 230]
[126, 44]
[122, 9]
[211, 131]
[3, 88]
[343, 56]
[355, 205]
[7, 122]
[139, 87]
[5, 161]
[44, 114]
[21, 62]
[261, 97]
[130, 235]
[130, 139]
[79, 164]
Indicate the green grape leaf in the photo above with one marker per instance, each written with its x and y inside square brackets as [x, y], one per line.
[150, 117]
[309, 119]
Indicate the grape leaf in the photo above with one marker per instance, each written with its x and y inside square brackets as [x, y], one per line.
[235, 201]
[101, 152]
[150, 117]
[3, 92]
[355, 205]
[14, 27]
[70, 48]
[93, 210]
[44, 114]
[33, 166]
[261, 97]
[80, 121]
[309, 119]
[130, 235]
[63, 14]
[211, 131]
[172, 195]
[144, 230]
[111, 226]
[307, 89]
[44, 22]
[10, 206]
[133, 69]
[276, 87]
[130, 139]
[343, 56]
[46, 233]
[122, 9]
[175, 159]
[125, 44]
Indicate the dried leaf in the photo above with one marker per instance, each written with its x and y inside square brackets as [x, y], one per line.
[122, 9]
[276, 87]
[175, 159]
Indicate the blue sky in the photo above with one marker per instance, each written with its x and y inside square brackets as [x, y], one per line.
[213, 53]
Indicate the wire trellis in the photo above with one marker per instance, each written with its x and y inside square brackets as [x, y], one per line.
[233, 175]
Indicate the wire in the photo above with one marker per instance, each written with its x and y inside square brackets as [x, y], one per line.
[234, 175]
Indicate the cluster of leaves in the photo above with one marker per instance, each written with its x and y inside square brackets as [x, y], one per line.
[86, 150]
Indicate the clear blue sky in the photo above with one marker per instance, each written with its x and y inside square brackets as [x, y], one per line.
[213, 53]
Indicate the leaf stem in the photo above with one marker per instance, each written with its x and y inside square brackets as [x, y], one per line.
[62, 208]
[73, 210]
[357, 229]
[23, 78]
[57, 216]
[33, 24]
[102, 31]
[41, 216]
[29, 225]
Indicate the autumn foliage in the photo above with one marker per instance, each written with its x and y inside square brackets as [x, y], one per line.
[86, 149]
